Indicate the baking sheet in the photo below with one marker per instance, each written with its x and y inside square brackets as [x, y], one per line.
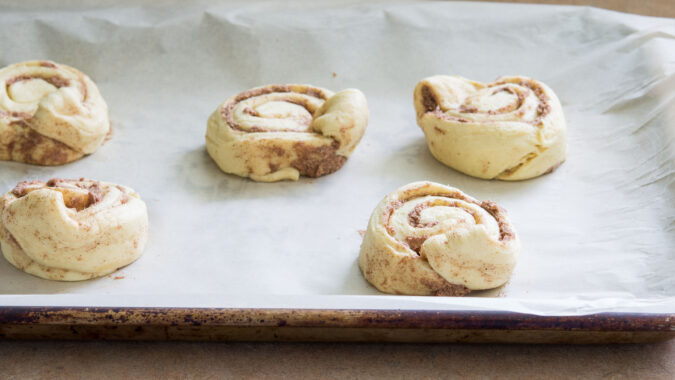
[597, 234]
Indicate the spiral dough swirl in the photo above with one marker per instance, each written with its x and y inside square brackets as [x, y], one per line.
[430, 239]
[72, 230]
[50, 114]
[280, 132]
[510, 129]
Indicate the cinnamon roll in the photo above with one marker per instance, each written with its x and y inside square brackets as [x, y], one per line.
[430, 239]
[50, 114]
[72, 230]
[510, 129]
[279, 132]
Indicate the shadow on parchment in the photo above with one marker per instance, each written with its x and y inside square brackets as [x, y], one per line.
[414, 162]
[15, 281]
[356, 284]
[202, 178]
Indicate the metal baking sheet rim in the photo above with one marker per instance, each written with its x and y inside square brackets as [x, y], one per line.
[337, 325]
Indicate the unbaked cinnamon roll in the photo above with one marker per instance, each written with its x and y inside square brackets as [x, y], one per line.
[72, 230]
[430, 239]
[510, 129]
[279, 132]
[50, 114]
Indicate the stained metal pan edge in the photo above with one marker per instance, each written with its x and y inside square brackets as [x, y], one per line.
[338, 325]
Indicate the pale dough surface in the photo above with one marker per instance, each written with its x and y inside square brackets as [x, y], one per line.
[72, 230]
[430, 239]
[50, 114]
[279, 132]
[510, 129]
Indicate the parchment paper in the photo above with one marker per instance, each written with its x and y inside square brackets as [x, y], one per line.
[598, 234]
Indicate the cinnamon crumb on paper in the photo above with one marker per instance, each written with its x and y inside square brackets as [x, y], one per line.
[109, 135]
[501, 292]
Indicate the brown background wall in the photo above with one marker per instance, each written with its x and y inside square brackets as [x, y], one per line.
[660, 8]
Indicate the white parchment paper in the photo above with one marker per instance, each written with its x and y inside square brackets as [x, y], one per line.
[598, 234]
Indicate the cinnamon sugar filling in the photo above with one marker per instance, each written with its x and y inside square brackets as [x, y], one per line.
[430, 103]
[414, 217]
[227, 111]
[72, 198]
[54, 80]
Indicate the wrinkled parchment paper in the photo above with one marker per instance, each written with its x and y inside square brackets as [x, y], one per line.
[598, 234]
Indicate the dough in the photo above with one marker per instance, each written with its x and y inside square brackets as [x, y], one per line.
[510, 129]
[279, 132]
[430, 239]
[50, 114]
[72, 230]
